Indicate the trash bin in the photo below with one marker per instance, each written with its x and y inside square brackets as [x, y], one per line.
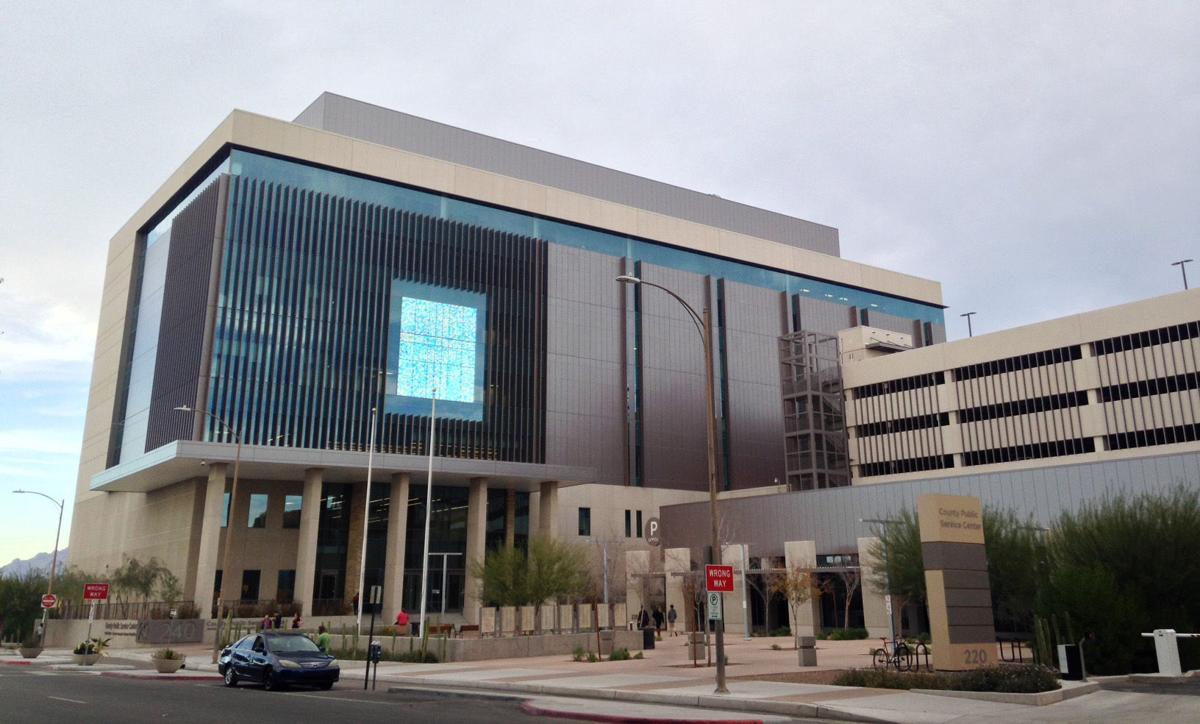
[648, 637]
[416, 628]
[806, 647]
[1070, 662]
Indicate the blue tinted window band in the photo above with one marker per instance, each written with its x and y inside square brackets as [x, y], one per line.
[312, 178]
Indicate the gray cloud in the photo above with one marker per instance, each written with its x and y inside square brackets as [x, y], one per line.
[1037, 158]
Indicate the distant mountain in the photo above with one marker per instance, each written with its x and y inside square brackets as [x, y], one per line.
[40, 562]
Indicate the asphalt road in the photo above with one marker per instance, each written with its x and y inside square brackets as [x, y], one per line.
[27, 697]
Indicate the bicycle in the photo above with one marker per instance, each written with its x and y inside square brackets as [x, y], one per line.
[898, 657]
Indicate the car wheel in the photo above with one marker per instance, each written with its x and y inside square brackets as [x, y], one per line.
[270, 683]
[231, 677]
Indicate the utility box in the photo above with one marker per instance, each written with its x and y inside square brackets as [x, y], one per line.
[1070, 662]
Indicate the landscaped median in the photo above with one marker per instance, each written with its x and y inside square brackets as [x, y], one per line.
[1010, 683]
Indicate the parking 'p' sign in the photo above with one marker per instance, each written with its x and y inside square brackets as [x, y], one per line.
[718, 579]
[653, 535]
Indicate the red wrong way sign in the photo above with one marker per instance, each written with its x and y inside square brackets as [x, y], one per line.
[718, 579]
[49, 600]
[95, 591]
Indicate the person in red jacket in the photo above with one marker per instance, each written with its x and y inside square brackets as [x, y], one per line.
[402, 622]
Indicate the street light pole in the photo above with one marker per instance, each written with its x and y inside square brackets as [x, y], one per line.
[428, 511]
[704, 326]
[968, 315]
[54, 557]
[237, 461]
[1182, 264]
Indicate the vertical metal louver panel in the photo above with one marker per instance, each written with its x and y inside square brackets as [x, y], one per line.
[302, 323]
[178, 365]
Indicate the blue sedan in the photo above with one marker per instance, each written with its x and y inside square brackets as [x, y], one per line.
[277, 660]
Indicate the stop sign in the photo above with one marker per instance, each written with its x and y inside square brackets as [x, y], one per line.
[49, 600]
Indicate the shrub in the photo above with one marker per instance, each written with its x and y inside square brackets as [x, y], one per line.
[416, 657]
[639, 655]
[591, 657]
[578, 654]
[1018, 679]
[776, 647]
[619, 655]
[1127, 566]
[1024, 679]
[847, 634]
[781, 631]
[168, 654]
[91, 646]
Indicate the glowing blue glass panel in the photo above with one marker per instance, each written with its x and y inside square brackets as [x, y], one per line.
[435, 350]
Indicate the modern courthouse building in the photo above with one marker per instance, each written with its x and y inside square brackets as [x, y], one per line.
[343, 294]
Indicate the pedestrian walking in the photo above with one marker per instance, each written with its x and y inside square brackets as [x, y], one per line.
[658, 622]
[672, 616]
[643, 618]
[322, 639]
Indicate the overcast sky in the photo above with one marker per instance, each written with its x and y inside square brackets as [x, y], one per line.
[1038, 159]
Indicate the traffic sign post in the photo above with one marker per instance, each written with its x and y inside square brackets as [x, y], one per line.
[95, 592]
[714, 606]
[718, 578]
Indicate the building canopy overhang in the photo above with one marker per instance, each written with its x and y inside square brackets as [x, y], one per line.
[188, 460]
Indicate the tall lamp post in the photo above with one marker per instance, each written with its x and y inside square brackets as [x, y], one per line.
[1182, 264]
[237, 460]
[54, 558]
[704, 327]
[887, 571]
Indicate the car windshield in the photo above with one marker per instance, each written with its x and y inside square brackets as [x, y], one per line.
[291, 645]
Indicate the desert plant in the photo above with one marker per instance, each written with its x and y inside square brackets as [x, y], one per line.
[1024, 679]
[168, 654]
[592, 658]
[578, 654]
[639, 655]
[91, 646]
[847, 634]
[619, 655]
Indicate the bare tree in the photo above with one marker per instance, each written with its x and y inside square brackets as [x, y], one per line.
[851, 579]
[797, 587]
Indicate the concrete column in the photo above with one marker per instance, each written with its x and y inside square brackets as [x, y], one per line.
[354, 541]
[476, 545]
[802, 554]
[306, 551]
[733, 613]
[210, 539]
[510, 518]
[677, 560]
[874, 607]
[397, 537]
[548, 509]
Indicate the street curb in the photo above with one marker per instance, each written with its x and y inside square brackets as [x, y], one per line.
[530, 708]
[171, 677]
[1042, 698]
[705, 701]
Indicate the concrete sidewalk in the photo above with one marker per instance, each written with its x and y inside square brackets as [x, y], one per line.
[763, 683]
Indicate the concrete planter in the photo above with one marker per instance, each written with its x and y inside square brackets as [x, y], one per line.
[30, 653]
[168, 666]
[85, 659]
